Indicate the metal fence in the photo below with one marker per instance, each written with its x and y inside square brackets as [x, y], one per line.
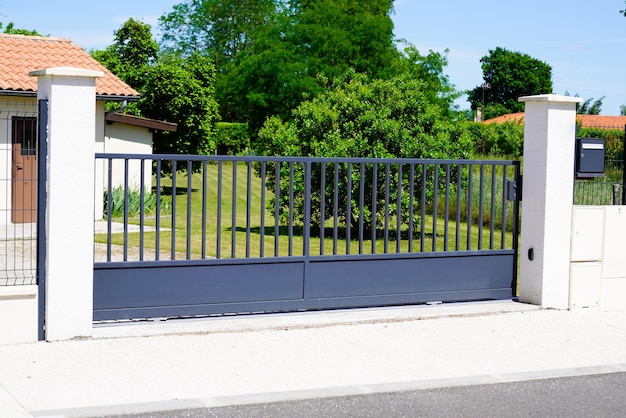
[172, 207]
[608, 189]
[18, 193]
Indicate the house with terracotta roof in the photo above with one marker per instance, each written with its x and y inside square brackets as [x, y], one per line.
[585, 121]
[115, 132]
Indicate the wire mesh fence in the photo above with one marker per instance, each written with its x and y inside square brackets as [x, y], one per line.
[608, 189]
[18, 193]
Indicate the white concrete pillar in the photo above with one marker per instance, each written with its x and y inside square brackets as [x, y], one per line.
[547, 193]
[71, 95]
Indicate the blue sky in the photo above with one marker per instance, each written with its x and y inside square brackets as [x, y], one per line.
[584, 41]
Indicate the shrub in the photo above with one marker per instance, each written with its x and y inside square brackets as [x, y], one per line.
[497, 139]
[134, 203]
[232, 138]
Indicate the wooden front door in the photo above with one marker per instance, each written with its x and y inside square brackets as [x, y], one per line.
[24, 172]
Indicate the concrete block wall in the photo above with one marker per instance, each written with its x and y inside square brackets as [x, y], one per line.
[18, 314]
[598, 257]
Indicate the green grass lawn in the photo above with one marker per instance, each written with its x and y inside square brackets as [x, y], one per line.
[235, 222]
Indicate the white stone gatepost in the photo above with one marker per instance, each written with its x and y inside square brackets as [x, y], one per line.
[547, 199]
[71, 95]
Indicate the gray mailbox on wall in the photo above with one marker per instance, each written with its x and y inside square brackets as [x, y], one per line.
[589, 157]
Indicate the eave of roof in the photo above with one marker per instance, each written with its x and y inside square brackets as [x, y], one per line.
[102, 97]
[142, 122]
[19, 55]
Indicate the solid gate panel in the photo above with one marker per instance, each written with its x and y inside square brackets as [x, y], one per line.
[142, 287]
[348, 278]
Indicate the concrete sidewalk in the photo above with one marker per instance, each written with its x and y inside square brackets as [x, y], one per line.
[235, 360]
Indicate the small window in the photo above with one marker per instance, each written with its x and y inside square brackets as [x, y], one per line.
[25, 134]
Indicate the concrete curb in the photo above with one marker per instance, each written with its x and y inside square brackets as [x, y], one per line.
[260, 398]
[305, 320]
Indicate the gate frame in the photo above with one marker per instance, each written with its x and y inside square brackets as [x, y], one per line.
[302, 282]
[42, 198]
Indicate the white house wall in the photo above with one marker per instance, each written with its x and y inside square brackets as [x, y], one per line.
[136, 140]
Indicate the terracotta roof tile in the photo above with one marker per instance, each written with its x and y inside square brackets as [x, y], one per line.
[511, 117]
[600, 121]
[21, 54]
[586, 121]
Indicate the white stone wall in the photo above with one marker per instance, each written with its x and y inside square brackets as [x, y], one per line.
[598, 257]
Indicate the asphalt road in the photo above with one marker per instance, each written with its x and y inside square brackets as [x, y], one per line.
[601, 395]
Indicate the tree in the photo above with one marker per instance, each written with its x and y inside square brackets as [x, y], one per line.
[589, 106]
[11, 29]
[357, 117]
[342, 34]
[172, 88]
[509, 76]
[219, 29]
[182, 91]
[429, 69]
[133, 48]
[622, 110]
[269, 53]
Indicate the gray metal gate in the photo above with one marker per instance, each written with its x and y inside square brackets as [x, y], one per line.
[269, 234]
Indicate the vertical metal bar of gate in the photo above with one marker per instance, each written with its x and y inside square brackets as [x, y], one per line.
[42, 158]
[516, 208]
[624, 168]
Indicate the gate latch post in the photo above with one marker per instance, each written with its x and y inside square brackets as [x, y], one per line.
[512, 192]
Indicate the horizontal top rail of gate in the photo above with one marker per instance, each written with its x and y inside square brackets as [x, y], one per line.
[183, 207]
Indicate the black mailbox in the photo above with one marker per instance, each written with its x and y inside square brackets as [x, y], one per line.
[589, 157]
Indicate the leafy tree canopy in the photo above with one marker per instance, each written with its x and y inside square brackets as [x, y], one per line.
[172, 88]
[133, 48]
[12, 30]
[589, 106]
[181, 91]
[356, 117]
[219, 29]
[269, 53]
[507, 76]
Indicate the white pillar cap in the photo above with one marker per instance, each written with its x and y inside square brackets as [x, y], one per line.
[550, 98]
[67, 72]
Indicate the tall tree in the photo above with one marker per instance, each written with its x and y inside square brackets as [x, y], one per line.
[303, 44]
[430, 69]
[342, 34]
[219, 29]
[507, 76]
[589, 106]
[133, 48]
[172, 88]
[182, 91]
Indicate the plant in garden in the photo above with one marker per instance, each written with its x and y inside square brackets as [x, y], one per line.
[356, 117]
[118, 200]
